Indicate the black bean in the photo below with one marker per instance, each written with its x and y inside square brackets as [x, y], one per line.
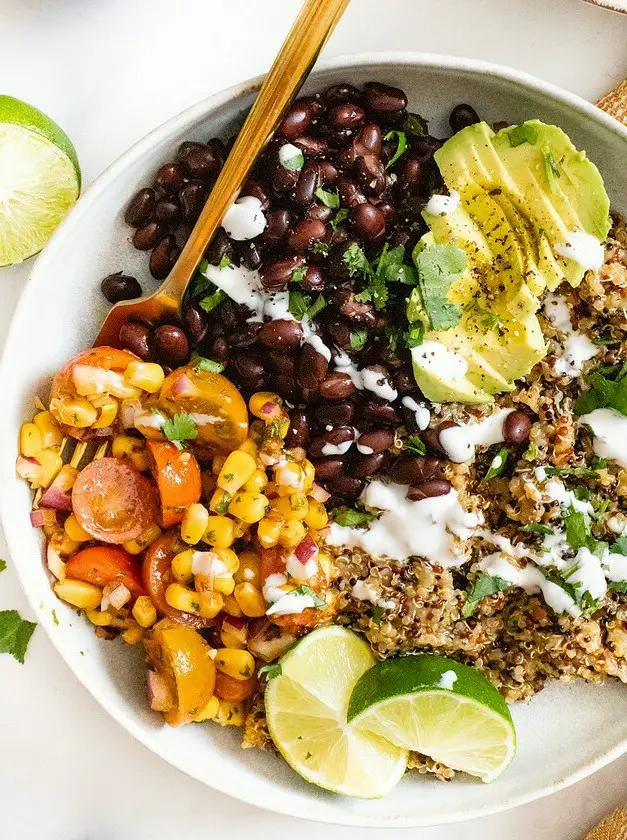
[328, 468]
[219, 247]
[280, 334]
[339, 93]
[192, 198]
[346, 486]
[379, 440]
[384, 99]
[329, 440]
[282, 362]
[197, 160]
[312, 147]
[136, 338]
[167, 212]
[383, 413]
[368, 221]
[363, 466]
[371, 174]
[516, 428]
[304, 234]
[248, 369]
[256, 189]
[416, 470]
[276, 275]
[216, 348]
[182, 233]
[308, 183]
[313, 367]
[297, 120]
[313, 281]
[350, 194]
[140, 208]
[117, 287]
[147, 236]
[169, 178]
[299, 428]
[432, 436]
[287, 387]
[362, 314]
[404, 381]
[319, 212]
[409, 176]
[163, 257]
[278, 223]
[424, 147]
[462, 116]
[337, 386]
[347, 115]
[170, 345]
[284, 180]
[429, 489]
[245, 336]
[196, 323]
[248, 253]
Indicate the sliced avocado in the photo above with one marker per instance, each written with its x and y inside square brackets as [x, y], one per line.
[480, 372]
[438, 383]
[458, 227]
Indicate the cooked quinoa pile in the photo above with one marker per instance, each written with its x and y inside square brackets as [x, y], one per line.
[514, 638]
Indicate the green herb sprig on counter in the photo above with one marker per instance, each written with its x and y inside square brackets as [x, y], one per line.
[15, 634]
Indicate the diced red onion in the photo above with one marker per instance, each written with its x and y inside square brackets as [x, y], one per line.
[55, 563]
[183, 386]
[115, 595]
[56, 499]
[159, 695]
[319, 493]
[27, 467]
[306, 549]
[237, 627]
[43, 517]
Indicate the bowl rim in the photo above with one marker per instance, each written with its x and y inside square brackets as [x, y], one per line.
[116, 169]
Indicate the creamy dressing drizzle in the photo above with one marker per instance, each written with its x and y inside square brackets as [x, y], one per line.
[244, 220]
[447, 680]
[368, 379]
[421, 412]
[362, 592]
[443, 205]
[610, 434]
[288, 153]
[582, 248]
[301, 571]
[433, 528]
[578, 348]
[291, 603]
[460, 442]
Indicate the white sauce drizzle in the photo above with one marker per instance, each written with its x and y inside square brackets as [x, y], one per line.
[578, 347]
[291, 603]
[443, 205]
[531, 580]
[208, 563]
[421, 412]
[244, 220]
[447, 680]
[460, 442]
[582, 248]
[610, 434]
[301, 571]
[339, 449]
[437, 359]
[362, 592]
[272, 588]
[371, 380]
[433, 528]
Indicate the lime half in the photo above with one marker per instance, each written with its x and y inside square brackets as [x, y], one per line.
[306, 712]
[439, 708]
[39, 179]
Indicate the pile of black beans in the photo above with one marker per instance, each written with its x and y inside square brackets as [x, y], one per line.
[348, 138]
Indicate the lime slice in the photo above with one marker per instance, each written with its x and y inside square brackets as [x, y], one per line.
[39, 179]
[439, 708]
[306, 712]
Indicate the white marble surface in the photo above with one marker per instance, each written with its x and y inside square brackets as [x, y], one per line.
[109, 71]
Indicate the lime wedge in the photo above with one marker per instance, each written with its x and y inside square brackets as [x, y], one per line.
[39, 179]
[437, 707]
[306, 712]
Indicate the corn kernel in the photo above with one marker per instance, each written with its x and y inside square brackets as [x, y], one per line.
[250, 600]
[183, 599]
[144, 611]
[51, 434]
[295, 506]
[107, 411]
[249, 567]
[236, 470]
[326, 563]
[65, 478]
[235, 663]
[317, 516]
[74, 530]
[289, 478]
[260, 400]
[249, 446]
[229, 558]
[218, 462]
[61, 542]
[220, 501]
[257, 482]
[30, 440]
[78, 413]
[292, 533]
[231, 607]
[148, 536]
[249, 507]
[145, 375]
[232, 635]
[99, 618]
[240, 529]
[230, 714]
[210, 604]
[133, 633]
[194, 524]
[182, 566]
[83, 595]
[51, 465]
[208, 711]
[220, 531]
[310, 474]
[268, 531]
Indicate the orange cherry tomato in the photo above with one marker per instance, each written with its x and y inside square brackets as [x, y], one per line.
[112, 501]
[215, 404]
[274, 561]
[178, 478]
[228, 688]
[157, 576]
[103, 564]
[183, 658]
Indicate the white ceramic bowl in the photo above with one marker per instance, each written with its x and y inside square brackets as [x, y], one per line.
[564, 733]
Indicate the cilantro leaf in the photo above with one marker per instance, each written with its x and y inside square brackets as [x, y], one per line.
[298, 275]
[604, 392]
[316, 307]
[415, 445]
[208, 365]
[271, 671]
[295, 163]
[416, 125]
[582, 472]
[298, 304]
[497, 465]
[319, 248]
[15, 633]
[484, 586]
[401, 145]
[438, 267]
[303, 589]
[523, 133]
[356, 261]
[618, 586]
[225, 262]
[339, 217]
[536, 528]
[352, 518]
[358, 339]
[620, 546]
[3, 565]
[377, 614]
[391, 266]
[551, 169]
[577, 528]
[329, 199]
[179, 428]
[415, 335]
[209, 302]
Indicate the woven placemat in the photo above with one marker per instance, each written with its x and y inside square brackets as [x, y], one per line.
[615, 102]
[612, 828]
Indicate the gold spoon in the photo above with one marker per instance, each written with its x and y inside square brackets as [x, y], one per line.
[305, 40]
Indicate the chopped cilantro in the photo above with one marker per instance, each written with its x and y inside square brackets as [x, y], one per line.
[377, 614]
[15, 634]
[620, 546]
[438, 267]
[523, 133]
[415, 335]
[179, 428]
[401, 145]
[208, 365]
[498, 464]
[316, 307]
[295, 163]
[329, 199]
[225, 262]
[577, 528]
[352, 518]
[223, 505]
[358, 339]
[536, 528]
[271, 671]
[303, 589]
[484, 586]
[298, 275]
[599, 463]
[416, 125]
[340, 216]
[299, 302]
[581, 597]
[607, 389]
[488, 319]
[396, 337]
[415, 445]
[209, 302]
[320, 248]
[582, 472]
[356, 261]
[3, 565]
[551, 168]
[618, 586]
[389, 268]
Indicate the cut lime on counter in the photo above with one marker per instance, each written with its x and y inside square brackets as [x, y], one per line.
[306, 711]
[437, 707]
[39, 179]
